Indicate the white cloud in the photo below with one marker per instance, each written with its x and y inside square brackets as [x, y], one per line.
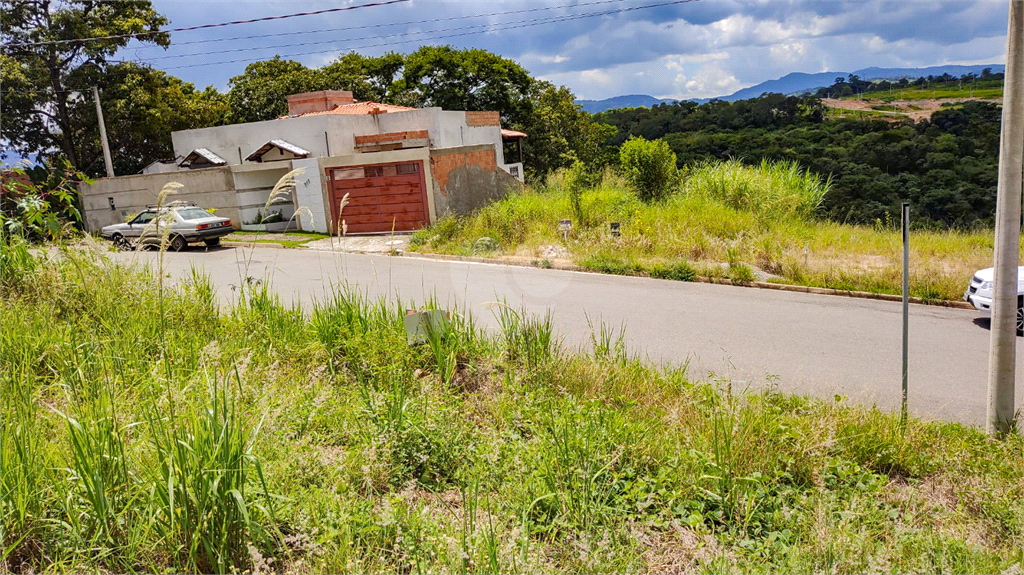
[697, 49]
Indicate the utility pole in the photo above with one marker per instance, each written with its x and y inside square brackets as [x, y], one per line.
[1002, 353]
[103, 133]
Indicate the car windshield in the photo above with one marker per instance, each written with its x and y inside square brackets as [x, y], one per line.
[194, 214]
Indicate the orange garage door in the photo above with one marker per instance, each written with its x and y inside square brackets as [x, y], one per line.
[381, 197]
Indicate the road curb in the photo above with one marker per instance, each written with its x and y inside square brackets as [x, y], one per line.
[705, 279]
[274, 245]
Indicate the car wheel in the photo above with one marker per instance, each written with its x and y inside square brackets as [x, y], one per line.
[1020, 315]
[120, 243]
[178, 243]
[212, 242]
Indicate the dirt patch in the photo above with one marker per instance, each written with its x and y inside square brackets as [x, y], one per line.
[677, 550]
[900, 109]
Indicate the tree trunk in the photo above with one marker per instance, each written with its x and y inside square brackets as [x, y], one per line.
[63, 119]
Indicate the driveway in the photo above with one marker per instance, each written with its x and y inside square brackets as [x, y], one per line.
[814, 344]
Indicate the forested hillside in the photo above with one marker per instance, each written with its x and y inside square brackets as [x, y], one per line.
[945, 166]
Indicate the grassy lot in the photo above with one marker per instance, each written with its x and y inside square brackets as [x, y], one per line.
[725, 213]
[155, 434]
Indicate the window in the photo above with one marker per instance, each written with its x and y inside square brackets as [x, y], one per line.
[348, 173]
[194, 214]
[144, 218]
[374, 171]
[408, 168]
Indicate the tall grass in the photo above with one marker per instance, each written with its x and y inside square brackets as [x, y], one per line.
[749, 217]
[261, 438]
[774, 189]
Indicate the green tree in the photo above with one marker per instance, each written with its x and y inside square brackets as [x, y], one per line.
[43, 83]
[471, 79]
[649, 168]
[368, 77]
[560, 132]
[261, 91]
[141, 108]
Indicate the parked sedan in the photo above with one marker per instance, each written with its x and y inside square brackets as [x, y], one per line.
[979, 294]
[188, 224]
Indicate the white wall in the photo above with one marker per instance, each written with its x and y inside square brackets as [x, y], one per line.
[253, 184]
[309, 193]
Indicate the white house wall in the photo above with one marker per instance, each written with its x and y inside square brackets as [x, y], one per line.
[309, 193]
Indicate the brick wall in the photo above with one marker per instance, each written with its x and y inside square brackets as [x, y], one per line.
[441, 165]
[483, 119]
[391, 137]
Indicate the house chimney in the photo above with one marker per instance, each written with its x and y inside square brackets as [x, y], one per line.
[318, 101]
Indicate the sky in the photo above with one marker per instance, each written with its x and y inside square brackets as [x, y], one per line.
[688, 49]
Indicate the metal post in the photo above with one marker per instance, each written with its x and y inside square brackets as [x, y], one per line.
[1002, 353]
[103, 133]
[905, 217]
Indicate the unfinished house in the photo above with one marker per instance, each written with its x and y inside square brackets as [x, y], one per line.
[400, 167]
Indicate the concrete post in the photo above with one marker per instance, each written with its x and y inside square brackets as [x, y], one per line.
[103, 133]
[1002, 355]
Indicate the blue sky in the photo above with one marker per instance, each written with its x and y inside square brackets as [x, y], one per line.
[697, 49]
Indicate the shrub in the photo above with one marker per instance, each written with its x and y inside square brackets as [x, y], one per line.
[578, 178]
[649, 168]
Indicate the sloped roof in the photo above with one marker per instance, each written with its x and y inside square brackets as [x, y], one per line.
[505, 133]
[359, 108]
[205, 154]
[279, 144]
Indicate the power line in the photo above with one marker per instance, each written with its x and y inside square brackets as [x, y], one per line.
[454, 28]
[527, 25]
[390, 24]
[204, 26]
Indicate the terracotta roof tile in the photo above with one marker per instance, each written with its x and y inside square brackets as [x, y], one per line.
[359, 108]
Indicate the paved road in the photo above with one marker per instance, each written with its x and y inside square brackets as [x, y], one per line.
[820, 345]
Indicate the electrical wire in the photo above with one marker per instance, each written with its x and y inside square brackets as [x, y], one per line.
[545, 20]
[390, 43]
[390, 24]
[203, 26]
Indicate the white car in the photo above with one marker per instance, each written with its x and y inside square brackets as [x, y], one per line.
[979, 294]
[188, 223]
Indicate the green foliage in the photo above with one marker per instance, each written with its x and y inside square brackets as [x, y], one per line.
[41, 112]
[577, 179]
[649, 168]
[772, 190]
[561, 133]
[945, 166]
[41, 203]
[141, 107]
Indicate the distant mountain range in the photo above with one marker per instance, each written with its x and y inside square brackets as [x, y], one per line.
[630, 101]
[794, 83]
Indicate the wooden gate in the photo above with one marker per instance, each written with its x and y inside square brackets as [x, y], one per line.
[381, 197]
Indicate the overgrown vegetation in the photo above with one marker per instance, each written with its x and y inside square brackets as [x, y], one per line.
[945, 166]
[180, 434]
[725, 219]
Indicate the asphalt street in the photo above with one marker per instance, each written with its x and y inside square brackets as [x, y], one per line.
[814, 344]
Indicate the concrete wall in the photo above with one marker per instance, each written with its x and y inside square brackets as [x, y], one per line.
[466, 178]
[209, 188]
